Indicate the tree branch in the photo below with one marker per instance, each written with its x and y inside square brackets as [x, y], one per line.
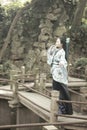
[7, 40]
[78, 14]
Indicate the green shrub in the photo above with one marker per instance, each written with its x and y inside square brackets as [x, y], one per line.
[81, 62]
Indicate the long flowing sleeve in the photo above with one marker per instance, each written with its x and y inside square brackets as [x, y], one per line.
[50, 55]
[59, 67]
[62, 59]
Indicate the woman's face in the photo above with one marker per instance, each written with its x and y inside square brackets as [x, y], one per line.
[58, 43]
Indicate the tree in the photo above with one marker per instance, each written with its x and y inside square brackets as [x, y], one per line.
[8, 38]
[76, 23]
[78, 14]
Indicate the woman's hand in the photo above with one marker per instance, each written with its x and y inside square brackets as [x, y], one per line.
[61, 65]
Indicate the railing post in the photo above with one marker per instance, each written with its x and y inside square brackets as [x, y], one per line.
[14, 87]
[42, 81]
[51, 127]
[37, 78]
[12, 72]
[13, 104]
[54, 106]
[86, 72]
[23, 74]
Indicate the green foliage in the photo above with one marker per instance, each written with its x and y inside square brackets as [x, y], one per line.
[6, 66]
[7, 14]
[13, 6]
[11, 9]
[84, 21]
[81, 62]
[5, 72]
[80, 35]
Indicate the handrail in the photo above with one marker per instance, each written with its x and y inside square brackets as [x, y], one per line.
[43, 124]
[74, 92]
[66, 101]
[36, 91]
[57, 101]
[71, 116]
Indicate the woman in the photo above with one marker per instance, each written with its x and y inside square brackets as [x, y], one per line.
[56, 59]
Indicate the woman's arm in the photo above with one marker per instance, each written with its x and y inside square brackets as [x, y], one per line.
[63, 61]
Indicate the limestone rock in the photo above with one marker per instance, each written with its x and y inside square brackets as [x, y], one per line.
[46, 23]
[51, 17]
[59, 31]
[43, 38]
[46, 31]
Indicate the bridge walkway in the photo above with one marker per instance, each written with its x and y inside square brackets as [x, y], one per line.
[40, 104]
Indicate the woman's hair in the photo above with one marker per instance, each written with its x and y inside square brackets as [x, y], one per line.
[63, 40]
